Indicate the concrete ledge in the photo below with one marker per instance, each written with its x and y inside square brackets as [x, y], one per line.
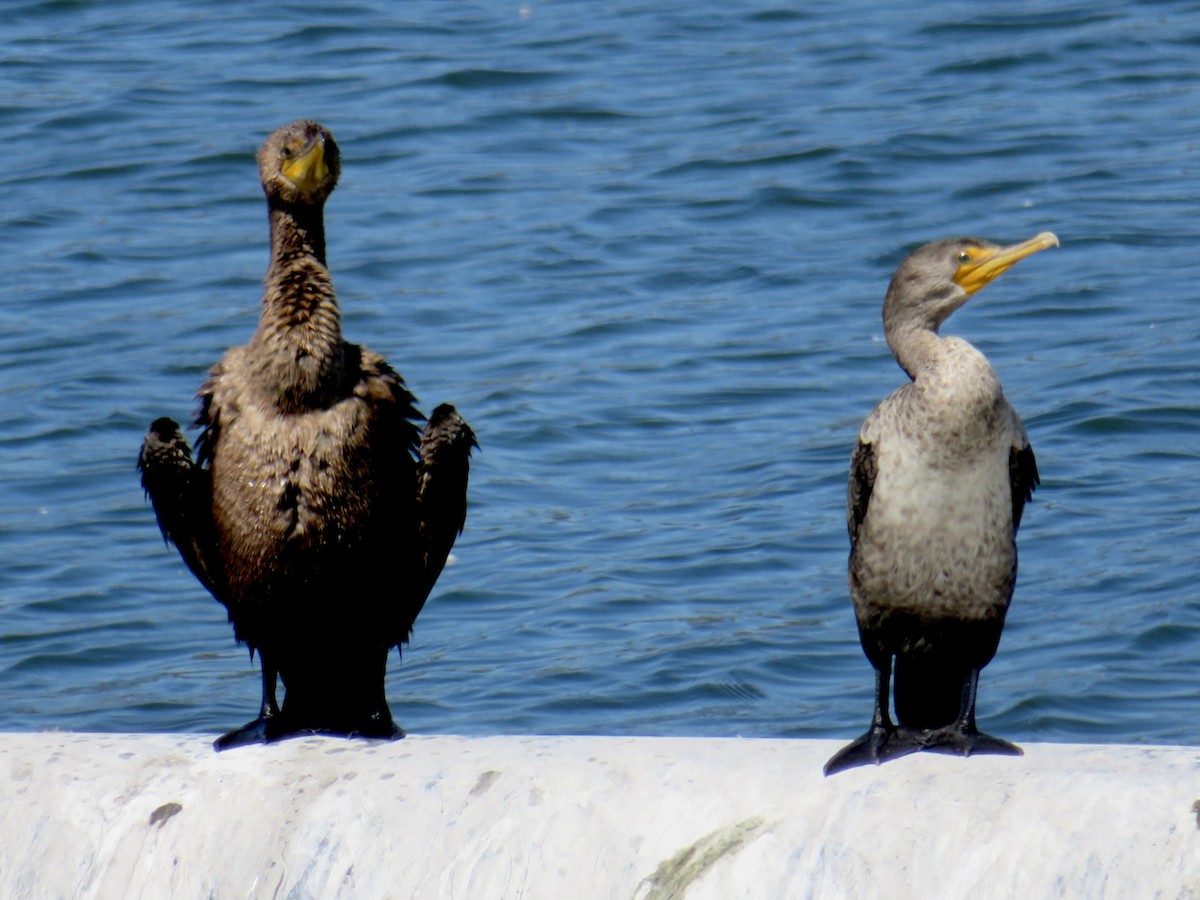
[541, 817]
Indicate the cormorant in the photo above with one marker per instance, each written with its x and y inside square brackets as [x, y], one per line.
[938, 481]
[316, 510]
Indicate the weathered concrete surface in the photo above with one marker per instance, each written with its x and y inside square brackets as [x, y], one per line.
[651, 818]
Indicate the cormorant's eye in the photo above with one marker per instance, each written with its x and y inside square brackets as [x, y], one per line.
[285, 152]
[964, 256]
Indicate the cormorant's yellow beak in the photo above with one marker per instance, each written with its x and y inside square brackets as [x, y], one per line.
[307, 169]
[979, 265]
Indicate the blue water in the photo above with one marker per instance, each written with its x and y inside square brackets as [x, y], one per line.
[642, 246]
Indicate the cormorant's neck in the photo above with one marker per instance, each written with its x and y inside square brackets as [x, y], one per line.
[296, 232]
[953, 382]
[916, 347]
[912, 314]
[298, 345]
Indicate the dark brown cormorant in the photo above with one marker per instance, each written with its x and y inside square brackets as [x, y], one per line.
[939, 478]
[316, 511]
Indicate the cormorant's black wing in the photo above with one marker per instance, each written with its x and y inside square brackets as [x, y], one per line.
[863, 469]
[1023, 478]
[436, 498]
[181, 493]
[442, 475]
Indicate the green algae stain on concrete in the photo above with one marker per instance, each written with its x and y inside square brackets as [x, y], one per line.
[672, 878]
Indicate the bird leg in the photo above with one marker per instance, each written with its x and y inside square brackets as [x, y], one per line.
[260, 731]
[883, 740]
[962, 737]
[270, 676]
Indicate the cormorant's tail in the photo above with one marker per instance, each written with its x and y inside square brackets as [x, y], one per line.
[928, 691]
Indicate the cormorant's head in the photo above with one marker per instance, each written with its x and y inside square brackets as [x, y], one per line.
[940, 277]
[299, 164]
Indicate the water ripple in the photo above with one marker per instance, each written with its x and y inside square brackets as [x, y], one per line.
[644, 251]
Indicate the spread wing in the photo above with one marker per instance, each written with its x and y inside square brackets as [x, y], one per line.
[181, 493]
[441, 468]
[863, 469]
[442, 487]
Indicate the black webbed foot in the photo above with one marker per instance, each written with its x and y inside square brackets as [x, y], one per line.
[879, 745]
[300, 717]
[383, 732]
[378, 725]
[958, 740]
[353, 706]
[961, 737]
[269, 730]
[883, 741]
[257, 732]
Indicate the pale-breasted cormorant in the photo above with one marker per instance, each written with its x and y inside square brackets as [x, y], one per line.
[940, 475]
